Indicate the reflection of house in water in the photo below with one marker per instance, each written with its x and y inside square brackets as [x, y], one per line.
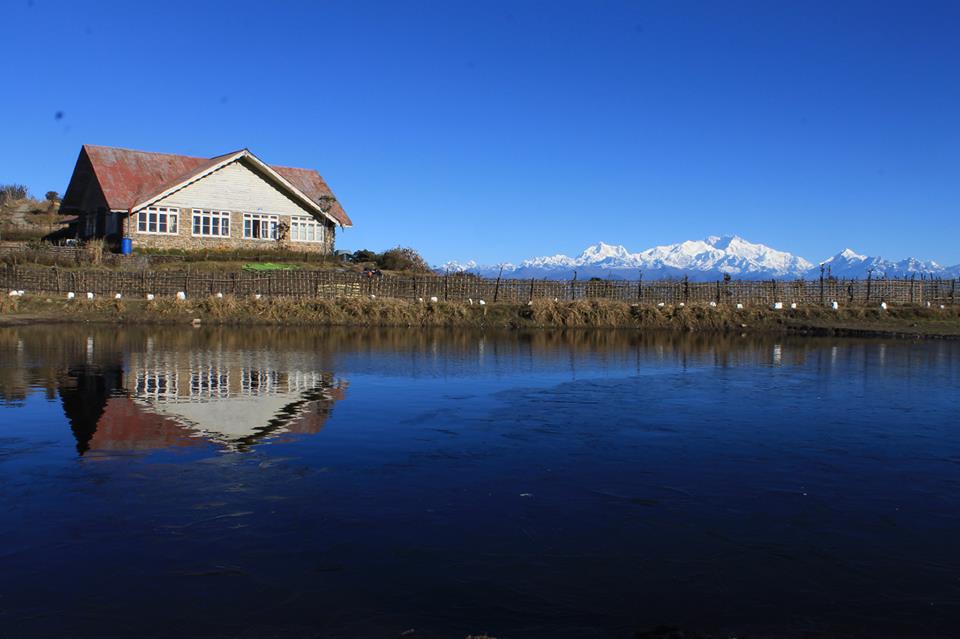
[164, 399]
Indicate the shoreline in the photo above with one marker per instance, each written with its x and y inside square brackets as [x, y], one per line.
[901, 322]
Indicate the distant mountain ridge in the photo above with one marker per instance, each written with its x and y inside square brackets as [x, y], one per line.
[704, 260]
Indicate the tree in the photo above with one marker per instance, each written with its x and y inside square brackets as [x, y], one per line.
[52, 196]
[364, 255]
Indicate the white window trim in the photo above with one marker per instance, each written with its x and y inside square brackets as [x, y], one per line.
[169, 211]
[259, 218]
[298, 224]
[224, 216]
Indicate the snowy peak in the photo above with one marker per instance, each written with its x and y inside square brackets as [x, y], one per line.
[850, 264]
[602, 252]
[729, 254]
[708, 259]
[850, 254]
[846, 255]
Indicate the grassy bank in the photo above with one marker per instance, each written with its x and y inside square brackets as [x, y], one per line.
[901, 321]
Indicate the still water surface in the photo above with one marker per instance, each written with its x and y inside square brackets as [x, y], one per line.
[333, 483]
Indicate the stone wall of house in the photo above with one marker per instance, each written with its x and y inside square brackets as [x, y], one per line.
[186, 240]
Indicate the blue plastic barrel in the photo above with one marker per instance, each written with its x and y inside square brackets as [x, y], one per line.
[126, 246]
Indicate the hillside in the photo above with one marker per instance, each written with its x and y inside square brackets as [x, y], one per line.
[25, 219]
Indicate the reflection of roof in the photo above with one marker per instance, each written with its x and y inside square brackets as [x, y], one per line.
[125, 426]
[127, 177]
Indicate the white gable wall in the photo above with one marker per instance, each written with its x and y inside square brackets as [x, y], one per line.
[235, 187]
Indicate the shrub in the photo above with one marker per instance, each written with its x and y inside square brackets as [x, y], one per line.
[403, 259]
[10, 192]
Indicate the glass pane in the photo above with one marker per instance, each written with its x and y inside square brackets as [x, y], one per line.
[173, 217]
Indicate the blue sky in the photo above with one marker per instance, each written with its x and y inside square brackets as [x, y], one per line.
[502, 130]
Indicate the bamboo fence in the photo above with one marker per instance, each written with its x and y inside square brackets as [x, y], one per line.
[461, 288]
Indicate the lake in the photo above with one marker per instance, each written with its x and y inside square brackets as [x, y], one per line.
[291, 482]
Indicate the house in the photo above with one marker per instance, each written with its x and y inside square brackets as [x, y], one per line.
[164, 399]
[232, 201]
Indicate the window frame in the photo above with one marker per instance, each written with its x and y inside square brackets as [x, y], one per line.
[167, 212]
[299, 225]
[222, 217]
[269, 220]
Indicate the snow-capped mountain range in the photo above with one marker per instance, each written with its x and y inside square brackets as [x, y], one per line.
[707, 259]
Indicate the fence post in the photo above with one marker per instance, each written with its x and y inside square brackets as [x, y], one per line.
[686, 289]
[640, 288]
[532, 280]
[496, 290]
[821, 285]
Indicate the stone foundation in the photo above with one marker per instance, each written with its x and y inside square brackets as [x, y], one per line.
[185, 240]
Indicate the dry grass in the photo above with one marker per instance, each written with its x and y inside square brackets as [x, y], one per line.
[365, 312]
[8, 304]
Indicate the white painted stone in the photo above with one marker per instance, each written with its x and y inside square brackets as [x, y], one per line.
[181, 295]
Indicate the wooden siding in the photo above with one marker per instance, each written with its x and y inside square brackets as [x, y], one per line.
[235, 187]
[238, 189]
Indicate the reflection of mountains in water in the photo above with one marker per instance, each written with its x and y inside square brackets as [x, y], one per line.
[168, 399]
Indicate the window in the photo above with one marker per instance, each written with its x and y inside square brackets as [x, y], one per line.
[157, 385]
[211, 223]
[260, 226]
[306, 229]
[209, 382]
[158, 219]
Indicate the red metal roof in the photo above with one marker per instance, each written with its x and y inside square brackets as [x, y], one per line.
[128, 177]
